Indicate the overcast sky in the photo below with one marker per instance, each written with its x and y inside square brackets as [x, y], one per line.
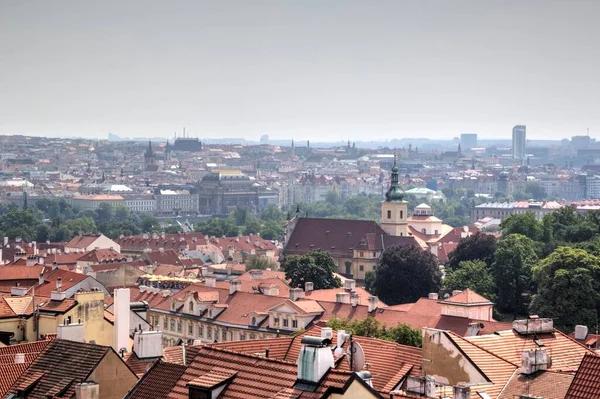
[332, 70]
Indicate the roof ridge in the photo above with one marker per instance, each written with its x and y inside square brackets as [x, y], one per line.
[248, 355]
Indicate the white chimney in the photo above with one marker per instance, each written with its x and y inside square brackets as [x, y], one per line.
[327, 332]
[34, 245]
[5, 241]
[256, 274]
[533, 360]
[461, 392]
[71, 332]
[309, 286]
[87, 390]
[234, 286]
[581, 332]
[58, 296]
[272, 290]
[350, 284]
[342, 297]
[121, 311]
[18, 291]
[433, 295]
[315, 359]
[204, 271]
[296, 293]
[210, 281]
[421, 385]
[373, 303]
[354, 299]
[19, 358]
[148, 344]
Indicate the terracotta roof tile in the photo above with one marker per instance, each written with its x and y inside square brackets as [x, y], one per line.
[547, 385]
[158, 381]
[467, 297]
[586, 383]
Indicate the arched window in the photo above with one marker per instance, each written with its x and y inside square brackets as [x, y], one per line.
[423, 231]
[253, 322]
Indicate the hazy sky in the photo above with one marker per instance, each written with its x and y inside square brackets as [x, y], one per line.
[314, 70]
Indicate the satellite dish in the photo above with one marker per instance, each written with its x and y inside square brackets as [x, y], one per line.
[356, 355]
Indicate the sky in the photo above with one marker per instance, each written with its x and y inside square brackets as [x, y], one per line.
[312, 69]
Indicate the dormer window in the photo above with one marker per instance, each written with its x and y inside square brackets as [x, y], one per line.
[191, 307]
[253, 321]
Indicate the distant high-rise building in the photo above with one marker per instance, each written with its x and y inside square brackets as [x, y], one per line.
[519, 141]
[468, 141]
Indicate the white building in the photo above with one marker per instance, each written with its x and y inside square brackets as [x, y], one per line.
[519, 141]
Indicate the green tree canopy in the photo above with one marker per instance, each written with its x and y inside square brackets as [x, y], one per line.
[317, 267]
[514, 257]
[473, 274]
[567, 282]
[525, 224]
[261, 262]
[370, 327]
[479, 246]
[405, 274]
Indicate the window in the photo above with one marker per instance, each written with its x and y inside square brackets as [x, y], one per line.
[362, 254]
[253, 321]
[200, 330]
[389, 213]
[252, 336]
[191, 307]
[423, 231]
[436, 232]
[242, 337]
[190, 329]
[276, 321]
[223, 335]
[209, 333]
[172, 326]
[179, 326]
[374, 254]
[285, 322]
[294, 323]
[156, 321]
[165, 323]
[401, 214]
[361, 268]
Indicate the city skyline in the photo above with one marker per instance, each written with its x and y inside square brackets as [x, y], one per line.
[321, 71]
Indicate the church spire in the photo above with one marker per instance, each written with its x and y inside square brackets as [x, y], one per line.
[394, 193]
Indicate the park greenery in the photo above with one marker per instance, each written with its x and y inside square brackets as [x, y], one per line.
[548, 267]
[370, 327]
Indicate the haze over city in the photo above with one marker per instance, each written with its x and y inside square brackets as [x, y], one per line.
[309, 70]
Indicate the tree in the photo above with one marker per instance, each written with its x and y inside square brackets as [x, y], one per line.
[525, 224]
[369, 280]
[261, 262]
[405, 274]
[473, 274]
[370, 327]
[479, 246]
[272, 212]
[20, 223]
[536, 191]
[514, 257]
[568, 286]
[405, 335]
[272, 230]
[317, 267]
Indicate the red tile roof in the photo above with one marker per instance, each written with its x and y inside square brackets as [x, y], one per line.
[586, 383]
[102, 255]
[467, 297]
[82, 241]
[11, 371]
[158, 381]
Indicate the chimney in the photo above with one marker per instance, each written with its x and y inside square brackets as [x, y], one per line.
[342, 297]
[581, 332]
[204, 271]
[256, 274]
[34, 245]
[533, 360]
[5, 241]
[533, 326]
[234, 286]
[421, 385]
[296, 293]
[327, 333]
[315, 359]
[373, 303]
[18, 291]
[461, 392]
[272, 290]
[19, 358]
[148, 344]
[354, 299]
[121, 311]
[71, 332]
[41, 260]
[456, 292]
[54, 265]
[210, 281]
[309, 286]
[58, 296]
[350, 284]
[433, 295]
[87, 390]
[58, 284]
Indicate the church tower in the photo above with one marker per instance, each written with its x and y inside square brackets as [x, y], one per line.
[394, 210]
[149, 157]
